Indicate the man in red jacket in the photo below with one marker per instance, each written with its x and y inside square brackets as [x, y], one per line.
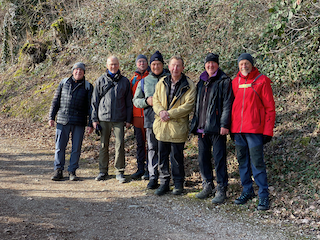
[253, 118]
[138, 119]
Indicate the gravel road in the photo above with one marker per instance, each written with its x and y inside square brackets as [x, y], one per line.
[34, 207]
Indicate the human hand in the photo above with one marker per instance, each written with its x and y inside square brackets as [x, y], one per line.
[149, 101]
[164, 116]
[51, 123]
[266, 139]
[89, 130]
[224, 131]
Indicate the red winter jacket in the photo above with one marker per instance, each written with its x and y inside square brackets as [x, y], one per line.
[137, 112]
[253, 109]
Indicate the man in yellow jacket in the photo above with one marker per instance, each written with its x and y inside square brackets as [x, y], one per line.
[173, 100]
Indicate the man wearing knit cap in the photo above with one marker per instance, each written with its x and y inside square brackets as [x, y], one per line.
[173, 101]
[253, 118]
[143, 99]
[211, 122]
[71, 105]
[138, 119]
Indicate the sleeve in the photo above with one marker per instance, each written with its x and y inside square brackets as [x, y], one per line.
[95, 100]
[89, 105]
[55, 105]
[269, 106]
[156, 100]
[129, 105]
[227, 100]
[139, 100]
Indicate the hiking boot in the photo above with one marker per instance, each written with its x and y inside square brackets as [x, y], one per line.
[153, 184]
[177, 190]
[220, 196]
[263, 204]
[73, 177]
[137, 175]
[207, 191]
[101, 177]
[120, 177]
[58, 175]
[145, 175]
[163, 189]
[245, 197]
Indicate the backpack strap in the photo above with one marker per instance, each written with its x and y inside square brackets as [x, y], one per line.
[142, 84]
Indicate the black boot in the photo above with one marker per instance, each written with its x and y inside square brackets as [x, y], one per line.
[58, 175]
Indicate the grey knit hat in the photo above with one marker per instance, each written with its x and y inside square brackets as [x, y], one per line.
[245, 56]
[141, 56]
[79, 65]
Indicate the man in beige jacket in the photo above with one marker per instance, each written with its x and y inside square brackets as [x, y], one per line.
[173, 100]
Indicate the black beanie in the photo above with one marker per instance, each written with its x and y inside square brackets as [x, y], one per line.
[212, 57]
[245, 56]
[157, 56]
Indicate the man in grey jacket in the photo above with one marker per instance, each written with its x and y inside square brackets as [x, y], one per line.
[112, 109]
[143, 99]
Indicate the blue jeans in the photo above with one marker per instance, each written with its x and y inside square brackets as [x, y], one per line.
[62, 138]
[205, 143]
[175, 150]
[152, 155]
[249, 148]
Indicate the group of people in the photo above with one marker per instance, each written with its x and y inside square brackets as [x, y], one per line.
[157, 102]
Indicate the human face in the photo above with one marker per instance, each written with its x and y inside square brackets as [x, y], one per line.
[245, 67]
[157, 67]
[142, 65]
[78, 74]
[176, 67]
[113, 65]
[211, 67]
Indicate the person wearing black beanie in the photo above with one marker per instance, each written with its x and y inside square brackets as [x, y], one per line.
[211, 123]
[157, 56]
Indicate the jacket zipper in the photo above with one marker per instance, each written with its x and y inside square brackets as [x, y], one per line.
[242, 110]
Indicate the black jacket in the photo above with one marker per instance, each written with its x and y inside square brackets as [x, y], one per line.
[213, 104]
[71, 103]
[114, 105]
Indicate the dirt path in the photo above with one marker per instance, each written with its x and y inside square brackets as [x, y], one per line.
[34, 207]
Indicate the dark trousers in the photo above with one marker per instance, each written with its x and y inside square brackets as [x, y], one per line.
[62, 138]
[218, 143]
[175, 151]
[140, 135]
[152, 154]
[249, 148]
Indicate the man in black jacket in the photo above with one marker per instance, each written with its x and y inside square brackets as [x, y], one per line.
[71, 105]
[112, 109]
[211, 122]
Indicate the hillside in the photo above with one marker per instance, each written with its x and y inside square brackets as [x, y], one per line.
[41, 40]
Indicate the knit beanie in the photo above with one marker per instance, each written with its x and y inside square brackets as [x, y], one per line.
[245, 56]
[79, 65]
[141, 56]
[157, 56]
[212, 57]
